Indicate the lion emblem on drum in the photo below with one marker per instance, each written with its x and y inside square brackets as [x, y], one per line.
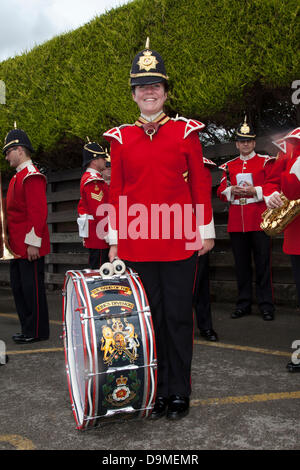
[119, 341]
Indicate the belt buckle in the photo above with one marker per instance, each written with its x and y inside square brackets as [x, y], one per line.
[243, 201]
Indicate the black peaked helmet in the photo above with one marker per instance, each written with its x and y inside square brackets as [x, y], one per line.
[147, 67]
[17, 137]
[245, 131]
[92, 151]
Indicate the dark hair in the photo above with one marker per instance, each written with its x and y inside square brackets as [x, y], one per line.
[26, 150]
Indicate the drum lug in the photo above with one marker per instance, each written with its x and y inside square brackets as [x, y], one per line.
[78, 309]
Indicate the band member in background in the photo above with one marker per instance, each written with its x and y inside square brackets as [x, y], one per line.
[285, 178]
[148, 160]
[201, 297]
[93, 192]
[26, 209]
[241, 186]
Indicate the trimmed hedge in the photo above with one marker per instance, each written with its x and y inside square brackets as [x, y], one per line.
[216, 53]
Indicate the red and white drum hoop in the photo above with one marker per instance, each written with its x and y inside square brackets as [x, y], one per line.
[109, 344]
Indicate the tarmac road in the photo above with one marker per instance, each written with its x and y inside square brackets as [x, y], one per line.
[243, 396]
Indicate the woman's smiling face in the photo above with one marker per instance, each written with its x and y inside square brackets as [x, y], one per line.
[150, 98]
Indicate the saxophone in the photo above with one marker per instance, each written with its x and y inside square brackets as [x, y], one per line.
[274, 221]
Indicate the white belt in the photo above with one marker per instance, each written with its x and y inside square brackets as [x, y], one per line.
[244, 200]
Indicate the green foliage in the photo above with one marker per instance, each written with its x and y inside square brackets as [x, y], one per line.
[216, 53]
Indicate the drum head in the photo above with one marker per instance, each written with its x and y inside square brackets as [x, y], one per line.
[75, 352]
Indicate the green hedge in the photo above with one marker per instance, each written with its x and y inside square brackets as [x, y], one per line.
[215, 51]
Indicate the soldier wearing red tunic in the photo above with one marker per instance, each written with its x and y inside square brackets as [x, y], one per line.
[155, 228]
[241, 186]
[26, 208]
[285, 178]
[93, 192]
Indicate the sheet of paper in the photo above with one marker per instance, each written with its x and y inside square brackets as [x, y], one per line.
[243, 178]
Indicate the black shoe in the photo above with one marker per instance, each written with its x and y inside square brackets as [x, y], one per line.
[209, 334]
[239, 312]
[160, 408]
[23, 339]
[17, 336]
[178, 407]
[267, 316]
[291, 367]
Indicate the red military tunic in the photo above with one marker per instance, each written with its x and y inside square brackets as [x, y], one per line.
[245, 213]
[26, 208]
[93, 192]
[285, 177]
[150, 174]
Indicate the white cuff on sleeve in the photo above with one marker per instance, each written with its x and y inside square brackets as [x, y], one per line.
[259, 193]
[83, 225]
[207, 231]
[32, 239]
[267, 198]
[112, 237]
[227, 194]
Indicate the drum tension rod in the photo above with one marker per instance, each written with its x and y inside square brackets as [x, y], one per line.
[111, 413]
[110, 315]
[129, 367]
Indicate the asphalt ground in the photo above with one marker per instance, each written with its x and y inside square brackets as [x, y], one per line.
[243, 396]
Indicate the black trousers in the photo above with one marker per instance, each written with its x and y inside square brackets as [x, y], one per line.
[258, 244]
[201, 297]
[169, 288]
[28, 287]
[97, 257]
[295, 259]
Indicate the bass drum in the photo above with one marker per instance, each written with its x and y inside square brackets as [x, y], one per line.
[109, 347]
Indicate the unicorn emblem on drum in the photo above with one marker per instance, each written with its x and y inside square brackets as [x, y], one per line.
[131, 339]
[119, 341]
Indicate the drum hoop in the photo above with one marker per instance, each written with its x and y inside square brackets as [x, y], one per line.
[77, 414]
[65, 340]
[92, 353]
[78, 284]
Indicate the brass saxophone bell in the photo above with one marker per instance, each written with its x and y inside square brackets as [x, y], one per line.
[275, 221]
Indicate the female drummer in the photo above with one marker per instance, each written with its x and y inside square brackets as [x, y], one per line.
[162, 218]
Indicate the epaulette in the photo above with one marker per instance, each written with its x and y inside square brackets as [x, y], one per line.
[206, 161]
[32, 171]
[281, 143]
[266, 157]
[224, 165]
[92, 178]
[191, 125]
[115, 133]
